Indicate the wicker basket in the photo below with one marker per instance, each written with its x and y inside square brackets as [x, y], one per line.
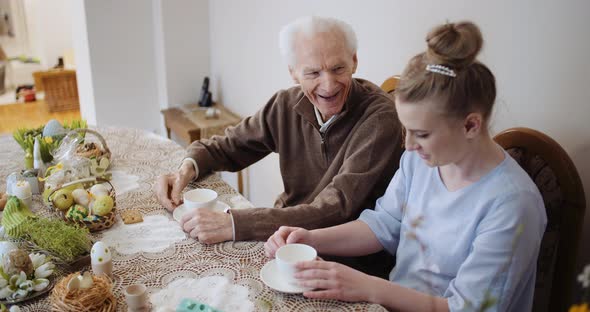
[95, 151]
[100, 222]
[61, 89]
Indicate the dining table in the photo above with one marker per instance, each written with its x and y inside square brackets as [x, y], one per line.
[157, 252]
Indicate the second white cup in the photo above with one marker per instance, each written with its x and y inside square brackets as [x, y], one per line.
[288, 255]
[200, 198]
[137, 298]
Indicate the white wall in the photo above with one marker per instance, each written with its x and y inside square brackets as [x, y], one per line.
[139, 58]
[17, 44]
[185, 31]
[538, 51]
[83, 64]
[43, 29]
[49, 25]
[122, 63]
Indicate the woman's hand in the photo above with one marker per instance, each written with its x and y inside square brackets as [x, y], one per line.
[286, 235]
[331, 280]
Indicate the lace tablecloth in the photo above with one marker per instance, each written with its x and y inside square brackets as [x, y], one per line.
[157, 253]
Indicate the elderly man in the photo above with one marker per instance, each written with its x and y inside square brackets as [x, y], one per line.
[338, 140]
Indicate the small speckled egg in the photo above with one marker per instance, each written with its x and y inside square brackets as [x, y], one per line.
[53, 128]
[100, 253]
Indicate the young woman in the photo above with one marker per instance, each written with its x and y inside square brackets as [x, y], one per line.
[463, 219]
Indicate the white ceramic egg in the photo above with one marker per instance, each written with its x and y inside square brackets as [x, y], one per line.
[99, 190]
[81, 197]
[100, 253]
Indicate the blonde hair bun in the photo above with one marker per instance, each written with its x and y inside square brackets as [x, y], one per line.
[454, 45]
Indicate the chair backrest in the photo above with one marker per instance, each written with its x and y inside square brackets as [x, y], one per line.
[555, 175]
[390, 84]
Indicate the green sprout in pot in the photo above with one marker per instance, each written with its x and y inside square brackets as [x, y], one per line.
[66, 241]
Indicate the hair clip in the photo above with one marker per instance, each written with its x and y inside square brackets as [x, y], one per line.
[440, 69]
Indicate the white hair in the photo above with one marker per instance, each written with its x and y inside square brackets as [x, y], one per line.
[310, 26]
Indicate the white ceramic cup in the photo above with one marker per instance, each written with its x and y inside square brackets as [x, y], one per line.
[199, 198]
[136, 297]
[22, 190]
[288, 255]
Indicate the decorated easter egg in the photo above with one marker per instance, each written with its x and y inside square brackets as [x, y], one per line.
[17, 260]
[77, 212]
[100, 253]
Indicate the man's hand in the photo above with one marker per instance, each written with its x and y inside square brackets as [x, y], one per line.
[286, 235]
[331, 280]
[169, 186]
[207, 226]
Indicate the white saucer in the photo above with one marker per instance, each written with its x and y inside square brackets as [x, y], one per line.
[181, 210]
[271, 276]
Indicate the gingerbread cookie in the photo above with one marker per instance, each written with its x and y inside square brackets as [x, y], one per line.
[131, 216]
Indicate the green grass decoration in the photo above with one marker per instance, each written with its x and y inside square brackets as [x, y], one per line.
[67, 241]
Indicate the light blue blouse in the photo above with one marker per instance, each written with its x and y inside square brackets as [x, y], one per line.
[469, 245]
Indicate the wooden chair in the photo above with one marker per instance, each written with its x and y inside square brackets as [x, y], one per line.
[390, 84]
[559, 183]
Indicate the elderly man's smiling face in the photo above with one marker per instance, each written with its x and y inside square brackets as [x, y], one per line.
[323, 67]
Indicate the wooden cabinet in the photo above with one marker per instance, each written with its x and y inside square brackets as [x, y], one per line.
[190, 123]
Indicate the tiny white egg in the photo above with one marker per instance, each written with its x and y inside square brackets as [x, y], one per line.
[86, 280]
[73, 284]
[100, 253]
[99, 190]
[81, 197]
